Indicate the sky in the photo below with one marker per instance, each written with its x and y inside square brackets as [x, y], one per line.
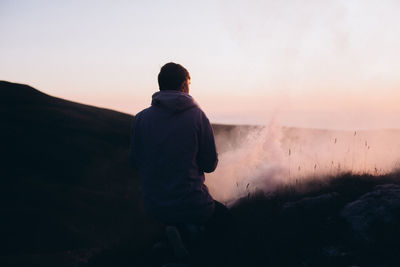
[319, 64]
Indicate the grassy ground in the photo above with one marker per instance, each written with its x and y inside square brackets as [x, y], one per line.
[275, 230]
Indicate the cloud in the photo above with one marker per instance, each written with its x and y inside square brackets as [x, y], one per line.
[264, 158]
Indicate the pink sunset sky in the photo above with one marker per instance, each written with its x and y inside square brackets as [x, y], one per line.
[319, 64]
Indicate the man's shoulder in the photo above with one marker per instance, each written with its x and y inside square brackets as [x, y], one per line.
[195, 109]
[196, 112]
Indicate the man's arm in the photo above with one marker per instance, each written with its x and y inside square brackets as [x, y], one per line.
[132, 159]
[207, 157]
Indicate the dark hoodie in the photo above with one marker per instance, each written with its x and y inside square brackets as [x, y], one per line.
[172, 145]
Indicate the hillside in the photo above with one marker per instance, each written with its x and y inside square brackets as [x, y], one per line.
[67, 185]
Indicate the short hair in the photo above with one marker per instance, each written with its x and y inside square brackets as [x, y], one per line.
[171, 76]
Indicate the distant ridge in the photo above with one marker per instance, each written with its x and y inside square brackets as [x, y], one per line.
[22, 94]
[17, 94]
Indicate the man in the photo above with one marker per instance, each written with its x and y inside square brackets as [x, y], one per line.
[172, 145]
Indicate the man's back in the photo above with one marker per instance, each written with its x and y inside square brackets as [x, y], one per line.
[172, 146]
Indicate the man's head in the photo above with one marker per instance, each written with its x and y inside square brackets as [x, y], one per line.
[173, 76]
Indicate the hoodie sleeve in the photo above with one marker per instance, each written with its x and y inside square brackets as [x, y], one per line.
[207, 157]
[132, 159]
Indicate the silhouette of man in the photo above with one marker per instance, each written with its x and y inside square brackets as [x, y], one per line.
[172, 145]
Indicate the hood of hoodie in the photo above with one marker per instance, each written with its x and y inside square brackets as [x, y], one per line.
[174, 101]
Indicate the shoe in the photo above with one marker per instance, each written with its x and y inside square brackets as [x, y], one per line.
[175, 240]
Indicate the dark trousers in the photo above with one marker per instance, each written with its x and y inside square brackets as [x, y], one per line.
[212, 237]
[216, 226]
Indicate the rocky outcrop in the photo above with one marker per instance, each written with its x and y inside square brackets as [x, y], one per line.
[378, 207]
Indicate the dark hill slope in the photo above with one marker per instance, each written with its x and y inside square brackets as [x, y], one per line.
[67, 184]
[56, 135]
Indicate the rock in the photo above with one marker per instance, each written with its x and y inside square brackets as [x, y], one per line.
[378, 207]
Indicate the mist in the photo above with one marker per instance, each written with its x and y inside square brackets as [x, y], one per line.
[264, 158]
